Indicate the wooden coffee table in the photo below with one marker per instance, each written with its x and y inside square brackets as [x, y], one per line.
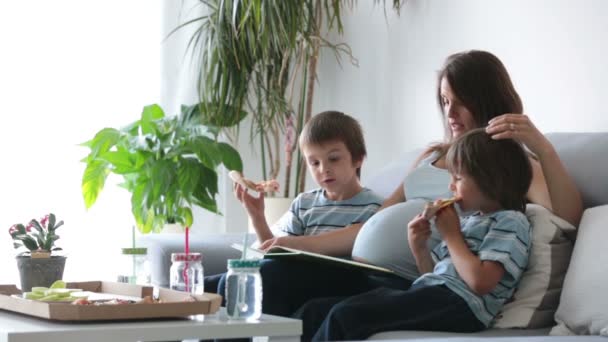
[20, 328]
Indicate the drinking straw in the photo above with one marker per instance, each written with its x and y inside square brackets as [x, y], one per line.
[187, 240]
[239, 301]
[244, 252]
[187, 254]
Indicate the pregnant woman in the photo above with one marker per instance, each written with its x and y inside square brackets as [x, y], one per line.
[474, 90]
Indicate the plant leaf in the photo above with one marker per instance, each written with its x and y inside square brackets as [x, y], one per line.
[230, 157]
[29, 243]
[93, 181]
[103, 141]
[148, 116]
[207, 151]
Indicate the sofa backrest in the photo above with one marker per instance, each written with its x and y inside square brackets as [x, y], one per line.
[585, 156]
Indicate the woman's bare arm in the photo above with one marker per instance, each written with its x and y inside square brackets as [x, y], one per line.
[559, 192]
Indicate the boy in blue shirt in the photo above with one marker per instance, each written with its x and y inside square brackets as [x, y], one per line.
[465, 279]
[333, 147]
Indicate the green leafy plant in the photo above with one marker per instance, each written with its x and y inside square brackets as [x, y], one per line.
[37, 236]
[169, 164]
[262, 56]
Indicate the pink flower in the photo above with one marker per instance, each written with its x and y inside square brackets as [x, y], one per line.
[29, 227]
[44, 221]
[13, 229]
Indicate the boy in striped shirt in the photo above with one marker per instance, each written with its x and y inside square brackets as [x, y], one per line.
[468, 277]
[333, 147]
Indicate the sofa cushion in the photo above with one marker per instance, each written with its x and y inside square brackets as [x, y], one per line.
[215, 249]
[584, 156]
[534, 302]
[583, 307]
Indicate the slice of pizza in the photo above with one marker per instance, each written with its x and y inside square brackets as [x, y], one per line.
[263, 186]
[432, 209]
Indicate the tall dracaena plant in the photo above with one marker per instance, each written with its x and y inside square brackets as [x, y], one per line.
[261, 55]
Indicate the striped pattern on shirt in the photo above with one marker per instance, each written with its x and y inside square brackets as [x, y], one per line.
[502, 236]
[311, 213]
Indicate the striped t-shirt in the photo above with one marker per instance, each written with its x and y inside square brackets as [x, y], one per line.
[502, 236]
[312, 213]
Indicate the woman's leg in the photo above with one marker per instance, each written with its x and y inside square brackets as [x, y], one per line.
[419, 308]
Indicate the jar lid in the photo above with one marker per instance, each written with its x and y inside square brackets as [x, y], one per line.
[243, 263]
[135, 251]
[186, 257]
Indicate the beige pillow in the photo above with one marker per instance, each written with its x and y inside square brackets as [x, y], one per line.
[534, 302]
[583, 308]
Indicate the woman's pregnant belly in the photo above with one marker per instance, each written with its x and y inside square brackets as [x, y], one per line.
[382, 240]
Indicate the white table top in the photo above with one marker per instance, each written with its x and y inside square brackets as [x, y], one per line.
[20, 328]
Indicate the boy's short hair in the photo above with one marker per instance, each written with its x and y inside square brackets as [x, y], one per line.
[335, 126]
[500, 168]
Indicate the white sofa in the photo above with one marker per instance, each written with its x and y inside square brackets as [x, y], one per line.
[581, 310]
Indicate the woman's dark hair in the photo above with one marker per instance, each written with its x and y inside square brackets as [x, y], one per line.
[482, 83]
[331, 126]
[500, 168]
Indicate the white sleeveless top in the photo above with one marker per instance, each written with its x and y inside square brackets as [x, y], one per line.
[383, 241]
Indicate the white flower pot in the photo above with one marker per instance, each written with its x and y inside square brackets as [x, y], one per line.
[274, 208]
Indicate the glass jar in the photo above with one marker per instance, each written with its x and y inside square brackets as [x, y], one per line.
[243, 289]
[135, 266]
[186, 273]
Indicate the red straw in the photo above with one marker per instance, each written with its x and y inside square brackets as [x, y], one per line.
[187, 240]
[187, 253]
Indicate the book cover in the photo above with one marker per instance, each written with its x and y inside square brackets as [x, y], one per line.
[285, 252]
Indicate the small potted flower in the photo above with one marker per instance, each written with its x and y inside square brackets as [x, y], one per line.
[36, 262]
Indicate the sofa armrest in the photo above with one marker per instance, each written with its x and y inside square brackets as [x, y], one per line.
[215, 249]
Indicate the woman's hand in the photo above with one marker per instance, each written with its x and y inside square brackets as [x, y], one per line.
[418, 232]
[253, 205]
[551, 186]
[520, 128]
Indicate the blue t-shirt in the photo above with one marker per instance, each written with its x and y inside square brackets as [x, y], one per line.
[502, 236]
[312, 213]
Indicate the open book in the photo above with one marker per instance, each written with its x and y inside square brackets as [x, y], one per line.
[285, 252]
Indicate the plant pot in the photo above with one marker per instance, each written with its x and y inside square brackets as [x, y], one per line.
[274, 208]
[39, 271]
[173, 228]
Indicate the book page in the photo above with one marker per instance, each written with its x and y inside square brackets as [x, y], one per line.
[278, 251]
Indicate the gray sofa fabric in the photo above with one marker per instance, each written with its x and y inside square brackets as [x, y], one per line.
[215, 249]
[407, 335]
[584, 156]
[452, 338]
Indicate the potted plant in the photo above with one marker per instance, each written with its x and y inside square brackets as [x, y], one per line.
[37, 266]
[169, 164]
[261, 56]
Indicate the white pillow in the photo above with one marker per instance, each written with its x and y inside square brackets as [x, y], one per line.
[583, 307]
[534, 302]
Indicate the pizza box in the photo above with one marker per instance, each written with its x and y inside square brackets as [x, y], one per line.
[171, 303]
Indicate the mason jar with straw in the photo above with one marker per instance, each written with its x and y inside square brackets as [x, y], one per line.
[244, 287]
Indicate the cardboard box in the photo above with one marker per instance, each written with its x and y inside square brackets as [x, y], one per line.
[173, 303]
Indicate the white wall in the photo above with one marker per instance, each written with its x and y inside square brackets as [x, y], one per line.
[555, 51]
[68, 69]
